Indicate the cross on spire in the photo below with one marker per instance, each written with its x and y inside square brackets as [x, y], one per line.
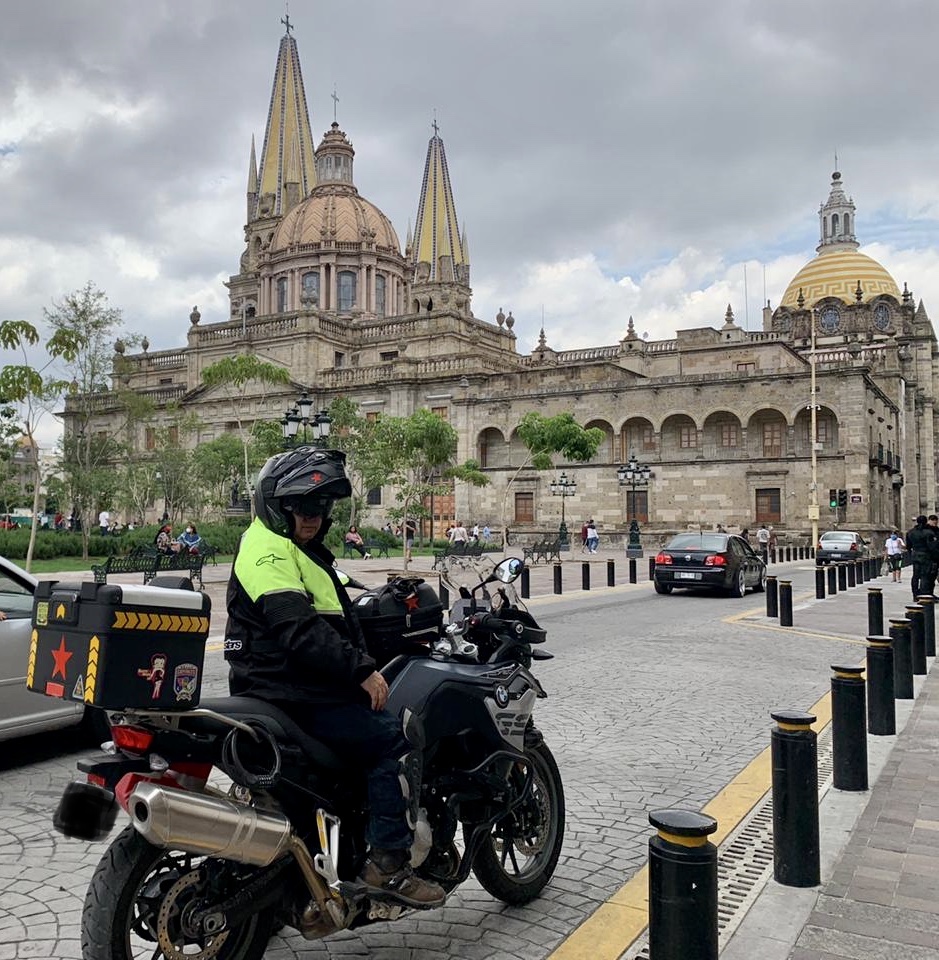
[335, 104]
[285, 19]
[434, 124]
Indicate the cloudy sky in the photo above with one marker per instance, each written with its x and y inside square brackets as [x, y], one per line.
[609, 158]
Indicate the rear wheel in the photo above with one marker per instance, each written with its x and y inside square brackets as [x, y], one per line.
[662, 587]
[518, 857]
[739, 588]
[140, 898]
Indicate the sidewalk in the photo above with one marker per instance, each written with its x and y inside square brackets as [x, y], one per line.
[879, 896]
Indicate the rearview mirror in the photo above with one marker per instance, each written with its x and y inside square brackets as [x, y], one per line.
[508, 570]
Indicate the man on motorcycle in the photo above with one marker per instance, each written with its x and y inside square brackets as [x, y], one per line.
[292, 639]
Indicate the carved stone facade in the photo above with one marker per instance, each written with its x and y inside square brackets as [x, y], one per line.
[722, 415]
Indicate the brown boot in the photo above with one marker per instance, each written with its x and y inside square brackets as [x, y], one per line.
[388, 872]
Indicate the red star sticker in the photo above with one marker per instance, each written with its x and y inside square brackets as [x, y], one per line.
[411, 603]
[61, 657]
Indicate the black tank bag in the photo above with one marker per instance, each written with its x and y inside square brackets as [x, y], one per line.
[400, 617]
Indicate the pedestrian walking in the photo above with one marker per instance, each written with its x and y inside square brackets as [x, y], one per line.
[593, 538]
[893, 555]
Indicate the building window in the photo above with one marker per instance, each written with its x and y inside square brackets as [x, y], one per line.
[346, 289]
[173, 435]
[380, 295]
[165, 381]
[748, 367]
[339, 359]
[637, 505]
[442, 412]
[822, 431]
[282, 295]
[311, 288]
[773, 439]
[372, 416]
[767, 505]
[524, 508]
[150, 438]
[687, 436]
[373, 497]
[729, 437]
[388, 355]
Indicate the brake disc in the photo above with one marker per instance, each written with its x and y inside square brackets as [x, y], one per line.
[536, 814]
[178, 899]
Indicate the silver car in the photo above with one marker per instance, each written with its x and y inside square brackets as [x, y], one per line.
[21, 711]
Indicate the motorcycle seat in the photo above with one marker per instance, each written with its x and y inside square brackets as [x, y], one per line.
[277, 722]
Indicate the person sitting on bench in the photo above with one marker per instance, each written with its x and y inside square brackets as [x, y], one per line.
[355, 542]
[164, 541]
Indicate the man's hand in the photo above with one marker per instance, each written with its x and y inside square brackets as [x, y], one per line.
[374, 685]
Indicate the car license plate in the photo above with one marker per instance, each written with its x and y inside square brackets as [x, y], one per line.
[687, 576]
[836, 556]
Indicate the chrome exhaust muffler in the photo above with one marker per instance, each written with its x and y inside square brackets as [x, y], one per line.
[209, 826]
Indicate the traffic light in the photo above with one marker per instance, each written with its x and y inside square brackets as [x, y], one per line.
[842, 498]
[833, 498]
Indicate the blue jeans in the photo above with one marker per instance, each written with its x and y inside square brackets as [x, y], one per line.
[369, 740]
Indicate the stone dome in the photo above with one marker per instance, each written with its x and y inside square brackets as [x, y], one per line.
[335, 213]
[836, 273]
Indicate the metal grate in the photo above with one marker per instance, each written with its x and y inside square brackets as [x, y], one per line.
[745, 860]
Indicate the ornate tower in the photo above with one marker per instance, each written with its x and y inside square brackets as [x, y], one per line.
[438, 252]
[285, 176]
[836, 219]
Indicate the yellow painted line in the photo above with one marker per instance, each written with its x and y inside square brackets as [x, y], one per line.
[794, 631]
[613, 927]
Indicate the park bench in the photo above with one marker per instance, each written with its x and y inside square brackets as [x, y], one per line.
[460, 551]
[149, 562]
[546, 550]
[374, 547]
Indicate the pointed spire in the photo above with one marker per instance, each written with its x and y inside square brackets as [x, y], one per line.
[288, 119]
[253, 170]
[921, 311]
[437, 233]
[631, 329]
[836, 219]
[464, 243]
[292, 173]
[542, 342]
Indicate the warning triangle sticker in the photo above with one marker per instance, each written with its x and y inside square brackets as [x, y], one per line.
[78, 693]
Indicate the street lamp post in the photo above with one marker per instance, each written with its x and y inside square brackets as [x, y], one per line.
[301, 414]
[635, 475]
[563, 487]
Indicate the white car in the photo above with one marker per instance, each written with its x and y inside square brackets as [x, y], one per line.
[21, 711]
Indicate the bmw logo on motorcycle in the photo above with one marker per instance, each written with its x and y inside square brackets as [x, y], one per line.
[502, 696]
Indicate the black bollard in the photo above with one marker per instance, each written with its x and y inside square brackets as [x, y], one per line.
[859, 571]
[633, 576]
[832, 580]
[849, 728]
[842, 577]
[526, 583]
[651, 569]
[682, 886]
[796, 856]
[819, 583]
[772, 555]
[444, 594]
[902, 658]
[914, 613]
[875, 611]
[785, 603]
[788, 554]
[611, 573]
[801, 553]
[851, 572]
[881, 705]
[929, 622]
[557, 578]
[772, 597]
[585, 576]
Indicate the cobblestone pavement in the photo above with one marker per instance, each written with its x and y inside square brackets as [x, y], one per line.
[653, 702]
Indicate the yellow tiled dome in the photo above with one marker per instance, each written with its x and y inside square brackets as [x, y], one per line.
[836, 273]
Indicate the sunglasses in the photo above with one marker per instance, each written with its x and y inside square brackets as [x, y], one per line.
[308, 506]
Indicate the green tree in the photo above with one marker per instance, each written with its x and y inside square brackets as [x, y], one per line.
[416, 455]
[88, 324]
[356, 436]
[217, 464]
[237, 377]
[32, 390]
[544, 437]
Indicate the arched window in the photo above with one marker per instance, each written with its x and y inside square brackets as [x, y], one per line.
[310, 292]
[847, 223]
[380, 295]
[281, 294]
[834, 224]
[346, 289]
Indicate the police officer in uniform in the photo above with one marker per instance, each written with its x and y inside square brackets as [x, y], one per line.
[292, 639]
[921, 542]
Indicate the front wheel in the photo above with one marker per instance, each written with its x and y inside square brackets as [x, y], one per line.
[140, 896]
[518, 857]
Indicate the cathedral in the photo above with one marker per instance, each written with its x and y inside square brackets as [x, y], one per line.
[836, 394]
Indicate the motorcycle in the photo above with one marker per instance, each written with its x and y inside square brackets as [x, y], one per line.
[204, 872]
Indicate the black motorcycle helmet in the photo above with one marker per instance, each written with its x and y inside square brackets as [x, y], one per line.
[307, 479]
